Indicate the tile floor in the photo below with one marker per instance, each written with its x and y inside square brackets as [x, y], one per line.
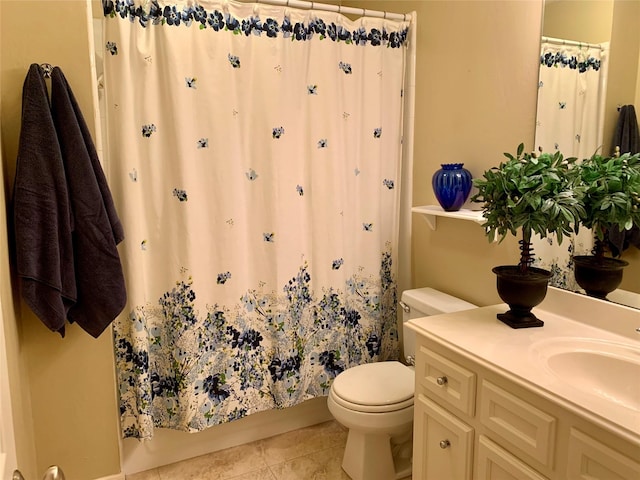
[311, 453]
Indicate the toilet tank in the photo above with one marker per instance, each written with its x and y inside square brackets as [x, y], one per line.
[424, 302]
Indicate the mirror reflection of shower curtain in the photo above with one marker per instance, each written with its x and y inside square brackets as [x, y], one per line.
[570, 119]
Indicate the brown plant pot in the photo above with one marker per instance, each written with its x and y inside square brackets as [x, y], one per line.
[521, 291]
[598, 276]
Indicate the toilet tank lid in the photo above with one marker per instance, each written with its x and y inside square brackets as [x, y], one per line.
[433, 302]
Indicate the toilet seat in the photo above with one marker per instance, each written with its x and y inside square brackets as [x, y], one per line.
[375, 387]
[356, 407]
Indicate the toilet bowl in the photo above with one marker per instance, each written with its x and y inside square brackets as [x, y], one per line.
[375, 400]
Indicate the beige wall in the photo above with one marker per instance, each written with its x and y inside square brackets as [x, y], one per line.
[588, 22]
[476, 95]
[16, 358]
[476, 76]
[65, 394]
[477, 64]
[477, 99]
[637, 101]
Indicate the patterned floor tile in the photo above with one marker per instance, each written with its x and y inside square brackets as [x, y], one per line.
[302, 442]
[311, 453]
[322, 465]
[262, 474]
[147, 475]
[224, 464]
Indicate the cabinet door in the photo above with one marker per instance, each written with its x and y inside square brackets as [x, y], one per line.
[589, 459]
[495, 463]
[443, 445]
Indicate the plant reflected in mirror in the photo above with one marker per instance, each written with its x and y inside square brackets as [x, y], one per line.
[611, 199]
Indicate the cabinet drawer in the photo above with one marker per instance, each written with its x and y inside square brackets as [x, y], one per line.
[496, 463]
[519, 423]
[446, 380]
[592, 460]
[443, 444]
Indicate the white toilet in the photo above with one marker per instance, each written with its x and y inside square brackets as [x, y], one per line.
[375, 400]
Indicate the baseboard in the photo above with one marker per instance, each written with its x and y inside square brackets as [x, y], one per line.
[117, 476]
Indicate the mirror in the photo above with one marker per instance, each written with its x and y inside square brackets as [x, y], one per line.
[596, 22]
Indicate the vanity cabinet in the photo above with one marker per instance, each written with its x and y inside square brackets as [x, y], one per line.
[473, 423]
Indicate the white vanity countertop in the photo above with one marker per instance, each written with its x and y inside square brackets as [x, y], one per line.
[478, 335]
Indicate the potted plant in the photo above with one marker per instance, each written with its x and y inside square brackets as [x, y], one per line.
[529, 193]
[611, 201]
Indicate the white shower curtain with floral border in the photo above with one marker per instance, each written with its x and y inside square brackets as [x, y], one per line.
[571, 94]
[255, 158]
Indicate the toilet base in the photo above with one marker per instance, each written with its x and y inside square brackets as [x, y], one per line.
[377, 457]
[402, 451]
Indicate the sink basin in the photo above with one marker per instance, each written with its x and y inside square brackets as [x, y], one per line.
[602, 368]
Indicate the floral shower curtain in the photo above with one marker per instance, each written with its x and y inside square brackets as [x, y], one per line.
[255, 158]
[570, 117]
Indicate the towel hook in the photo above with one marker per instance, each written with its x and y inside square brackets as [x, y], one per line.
[46, 69]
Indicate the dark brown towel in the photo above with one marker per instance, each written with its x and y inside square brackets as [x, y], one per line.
[97, 229]
[41, 211]
[627, 137]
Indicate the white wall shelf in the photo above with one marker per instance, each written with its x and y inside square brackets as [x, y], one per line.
[431, 212]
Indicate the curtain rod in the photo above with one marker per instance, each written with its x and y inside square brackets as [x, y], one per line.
[337, 8]
[561, 41]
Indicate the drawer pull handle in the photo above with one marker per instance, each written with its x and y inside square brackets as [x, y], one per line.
[442, 380]
[445, 444]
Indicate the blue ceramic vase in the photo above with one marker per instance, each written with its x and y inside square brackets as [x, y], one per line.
[452, 184]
